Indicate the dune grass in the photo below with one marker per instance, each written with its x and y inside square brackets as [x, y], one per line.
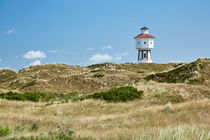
[177, 111]
[93, 119]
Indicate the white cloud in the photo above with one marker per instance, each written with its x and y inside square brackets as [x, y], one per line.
[106, 47]
[10, 31]
[122, 54]
[100, 58]
[34, 55]
[37, 62]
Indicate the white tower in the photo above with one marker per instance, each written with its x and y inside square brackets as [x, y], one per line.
[144, 45]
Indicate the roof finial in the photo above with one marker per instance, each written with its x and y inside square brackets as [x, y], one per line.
[144, 28]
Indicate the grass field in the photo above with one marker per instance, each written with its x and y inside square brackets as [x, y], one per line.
[149, 118]
[170, 108]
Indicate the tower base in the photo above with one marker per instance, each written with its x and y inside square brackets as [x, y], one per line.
[144, 61]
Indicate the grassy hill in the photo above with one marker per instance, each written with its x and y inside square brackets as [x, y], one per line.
[197, 72]
[64, 78]
[174, 102]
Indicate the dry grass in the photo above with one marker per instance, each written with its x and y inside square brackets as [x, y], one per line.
[137, 119]
[196, 72]
[65, 78]
[166, 111]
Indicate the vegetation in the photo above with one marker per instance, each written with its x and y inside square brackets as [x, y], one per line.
[36, 97]
[166, 97]
[40, 102]
[63, 135]
[98, 75]
[96, 119]
[62, 78]
[4, 131]
[186, 73]
[121, 94]
[35, 127]
[100, 65]
[7, 75]
[60, 135]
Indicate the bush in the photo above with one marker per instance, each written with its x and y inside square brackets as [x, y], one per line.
[140, 71]
[22, 97]
[121, 94]
[61, 135]
[98, 75]
[13, 96]
[31, 96]
[187, 73]
[99, 65]
[36, 97]
[4, 131]
[34, 127]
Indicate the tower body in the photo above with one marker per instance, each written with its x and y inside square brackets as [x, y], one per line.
[144, 45]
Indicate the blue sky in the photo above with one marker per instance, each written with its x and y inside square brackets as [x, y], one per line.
[82, 32]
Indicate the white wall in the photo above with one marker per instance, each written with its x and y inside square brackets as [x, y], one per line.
[145, 31]
[144, 61]
[148, 45]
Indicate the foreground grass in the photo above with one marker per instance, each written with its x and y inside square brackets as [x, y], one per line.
[177, 133]
[98, 119]
[151, 117]
[169, 133]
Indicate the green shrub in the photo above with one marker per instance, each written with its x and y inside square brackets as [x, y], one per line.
[96, 70]
[13, 96]
[140, 71]
[34, 127]
[61, 135]
[22, 97]
[185, 73]
[31, 96]
[36, 97]
[121, 94]
[99, 65]
[30, 84]
[4, 131]
[98, 75]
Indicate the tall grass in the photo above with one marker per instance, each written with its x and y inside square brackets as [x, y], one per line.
[176, 133]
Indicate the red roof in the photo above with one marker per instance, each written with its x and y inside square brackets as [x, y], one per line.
[144, 36]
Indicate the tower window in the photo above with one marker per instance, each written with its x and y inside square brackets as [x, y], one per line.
[144, 42]
[138, 42]
[151, 42]
[145, 55]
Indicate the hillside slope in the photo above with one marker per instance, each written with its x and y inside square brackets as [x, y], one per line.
[171, 107]
[65, 78]
[197, 72]
[62, 78]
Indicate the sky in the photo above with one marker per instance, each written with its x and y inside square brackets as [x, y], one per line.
[84, 32]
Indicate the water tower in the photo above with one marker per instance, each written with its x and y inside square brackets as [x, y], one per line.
[144, 45]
